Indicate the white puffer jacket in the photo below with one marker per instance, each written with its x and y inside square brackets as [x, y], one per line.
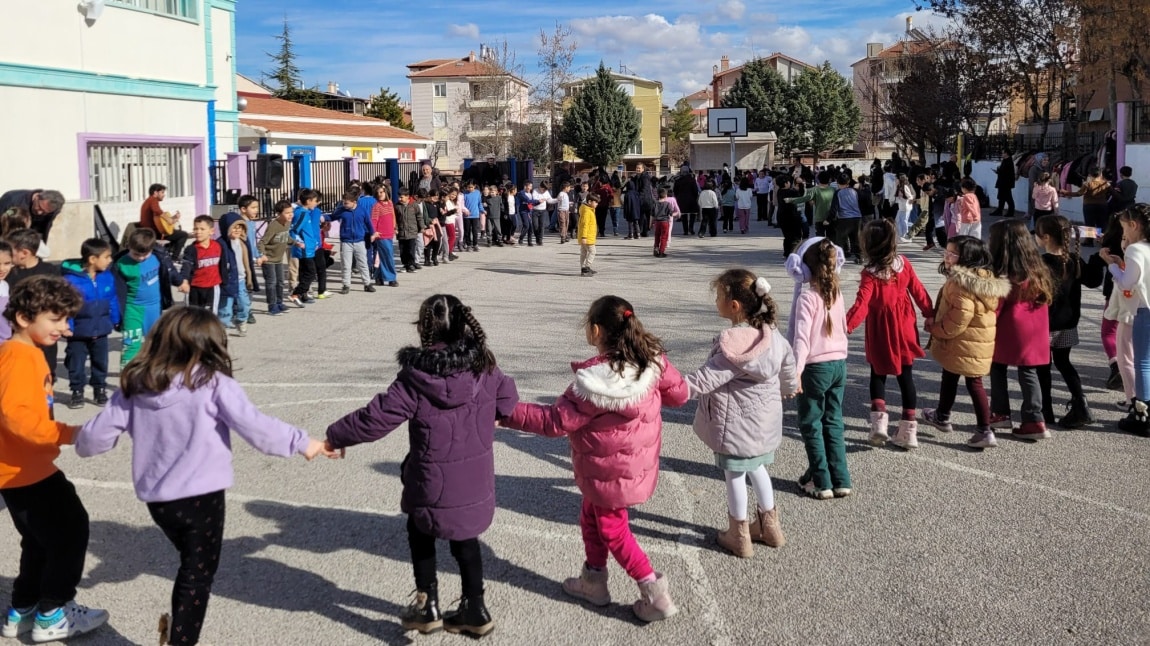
[740, 391]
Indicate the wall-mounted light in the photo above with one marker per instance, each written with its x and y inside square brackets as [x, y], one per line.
[91, 10]
[242, 104]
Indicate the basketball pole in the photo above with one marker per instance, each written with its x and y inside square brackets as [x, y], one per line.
[732, 157]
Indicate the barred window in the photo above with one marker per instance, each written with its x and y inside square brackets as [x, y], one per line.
[178, 8]
[123, 173]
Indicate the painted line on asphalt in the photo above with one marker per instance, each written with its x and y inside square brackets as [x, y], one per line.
[989, 475]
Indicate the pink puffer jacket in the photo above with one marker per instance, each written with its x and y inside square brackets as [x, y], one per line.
[614, 424]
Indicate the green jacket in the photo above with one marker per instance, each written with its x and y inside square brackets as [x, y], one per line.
[822, 196]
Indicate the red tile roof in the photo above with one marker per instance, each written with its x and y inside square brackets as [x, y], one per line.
[701, 94]
[766, 58]
[451, 67]
[332, 129]
[269, 105]
[431, 62]
[354, 126]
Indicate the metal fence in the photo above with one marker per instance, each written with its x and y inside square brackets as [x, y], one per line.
[1066, 145]
[218, 174]
[1139, 123]
[368, 171]
[287, 189]
[330, 178]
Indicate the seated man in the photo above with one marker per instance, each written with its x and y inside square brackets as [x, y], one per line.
[153, 216]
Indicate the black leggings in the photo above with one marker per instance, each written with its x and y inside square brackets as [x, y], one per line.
[431, 250]
[905, 386]
[195, 526]
[470, 233]
[466, 553]
[1061, 359]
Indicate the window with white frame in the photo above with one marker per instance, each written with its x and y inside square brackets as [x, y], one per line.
[441, 89]
[177, 8]
[121, 173]
[637, 149]
[406, 154]
[439, 119]
[441, 148]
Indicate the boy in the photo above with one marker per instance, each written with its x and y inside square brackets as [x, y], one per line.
[493, 204]
[588, 227]
[5, 269]
[249, 210]
[305, 235]
[355, 228]
[273, 248]
[205, 265]
[660, 224]
[473, 208]
[47, 513]
[96, 319]
[969, 211]
[407, 228]
[563, 208]
[27, 263]
[144, 277]
[235, 301]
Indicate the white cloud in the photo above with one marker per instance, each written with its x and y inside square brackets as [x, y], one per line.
[468, 30]
[732, 9]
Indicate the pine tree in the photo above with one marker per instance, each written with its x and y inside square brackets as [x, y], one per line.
[287, 74]
[826, 113]
[601, 123]
[386, 106]
[769, 100]
[680, 124]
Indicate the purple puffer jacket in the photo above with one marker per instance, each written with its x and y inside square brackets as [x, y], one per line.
[449, 473]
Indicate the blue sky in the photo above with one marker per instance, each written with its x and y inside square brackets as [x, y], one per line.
[365, 44]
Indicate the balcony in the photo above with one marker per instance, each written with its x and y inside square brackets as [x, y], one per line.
[488, 132]
[488, 103]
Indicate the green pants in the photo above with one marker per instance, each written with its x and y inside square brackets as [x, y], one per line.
[821, 423]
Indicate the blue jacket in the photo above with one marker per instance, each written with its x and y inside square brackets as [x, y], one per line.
[524, 204]
[305, 228]
[253, 251]
[231, 270]
[355, 226]
[473, 202]
[101, 309]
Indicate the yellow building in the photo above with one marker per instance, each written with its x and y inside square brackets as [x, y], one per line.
[647, 97]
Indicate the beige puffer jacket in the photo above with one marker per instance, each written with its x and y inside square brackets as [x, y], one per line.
[962, 335]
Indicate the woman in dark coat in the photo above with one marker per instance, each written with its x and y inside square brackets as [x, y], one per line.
[686, 191]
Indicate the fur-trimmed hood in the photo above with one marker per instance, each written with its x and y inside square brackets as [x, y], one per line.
[442, 372]
[982, 283]
[597, 382]
[743, 344]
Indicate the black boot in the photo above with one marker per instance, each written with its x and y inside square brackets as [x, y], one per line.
[100, 396]
[1078, 415]
[1138, 421]
[423, 613]
[470, 617]
[1114, 381]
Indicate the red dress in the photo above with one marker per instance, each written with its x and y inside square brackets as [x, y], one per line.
[891, 326]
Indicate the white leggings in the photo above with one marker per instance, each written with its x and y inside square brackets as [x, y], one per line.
[737, 491]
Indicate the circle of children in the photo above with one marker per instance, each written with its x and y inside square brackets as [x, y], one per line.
[1013, 301]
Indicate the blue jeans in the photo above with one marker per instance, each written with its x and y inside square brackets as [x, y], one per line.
[238, 309]
[385, 250]
[76, 354]
[1142, 354]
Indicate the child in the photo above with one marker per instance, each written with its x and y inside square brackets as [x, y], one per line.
[588, 229]
[27, 263]
[1070, 273]
[1022, 337]
[273, 247]
[449, 218]
[1131, 279]
[382, 250]
[451, 392]
[472, 210]
[407, 229]
[744, 197]
[709, 209]
[51, 520]
[18, 217]
[887, 294]
[563, 208]
[144, 277]
[1045, 198]
[5, 269]
[305, 235]
[91, 326]
[610, 414]
[205, 265]
[323, 259]
[178, 400]
[969, 210]
[493, 209]
[507, 194]
[818, 332]
[661, 224]
[248, 207]
[355, 232]
[962, 333]
[235, 297]
[740, 414]
[729, 199]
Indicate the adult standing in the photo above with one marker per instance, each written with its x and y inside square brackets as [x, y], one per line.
[428, 179]
[1041, 165]
[43, 205]
[686, 191]
[164, 224]
[645, 188]
[1007, 178]
[763, 187]
[845, 217]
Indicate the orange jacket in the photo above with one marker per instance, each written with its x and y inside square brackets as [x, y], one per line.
[29, 438]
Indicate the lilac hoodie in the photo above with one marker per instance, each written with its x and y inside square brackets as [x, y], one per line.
[181, 446]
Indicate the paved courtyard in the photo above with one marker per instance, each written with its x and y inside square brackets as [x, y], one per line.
[1024, 544]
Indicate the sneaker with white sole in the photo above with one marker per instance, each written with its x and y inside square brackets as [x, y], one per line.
[982, 440]
[69, 620]
[818, 494]
[931, 416]
[19, 621]
[1001, 421]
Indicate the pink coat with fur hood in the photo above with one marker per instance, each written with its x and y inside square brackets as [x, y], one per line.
[615, 425]
[740, 391]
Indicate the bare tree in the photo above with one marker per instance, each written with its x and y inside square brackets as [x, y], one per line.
[494, 105]
[556, 56]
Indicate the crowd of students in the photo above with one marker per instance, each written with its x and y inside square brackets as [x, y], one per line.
[1011, 301]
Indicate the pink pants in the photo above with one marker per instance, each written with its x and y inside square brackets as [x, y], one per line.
[744, 216]
[1124, 345]
[607, 531]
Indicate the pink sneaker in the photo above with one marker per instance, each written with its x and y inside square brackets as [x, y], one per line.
[1001, 421]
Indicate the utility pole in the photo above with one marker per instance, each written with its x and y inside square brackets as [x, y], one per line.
[554, 140]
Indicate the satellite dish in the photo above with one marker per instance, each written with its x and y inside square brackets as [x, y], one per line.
[92, 9]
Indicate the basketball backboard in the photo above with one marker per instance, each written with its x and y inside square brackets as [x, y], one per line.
[726, 122]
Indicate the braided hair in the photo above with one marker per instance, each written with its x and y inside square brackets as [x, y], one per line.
[822, 259]
[443, 318]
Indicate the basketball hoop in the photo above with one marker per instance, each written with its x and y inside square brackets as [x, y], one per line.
[727, 122]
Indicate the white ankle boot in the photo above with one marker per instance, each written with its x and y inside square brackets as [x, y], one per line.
[907, 435]
[878, 424]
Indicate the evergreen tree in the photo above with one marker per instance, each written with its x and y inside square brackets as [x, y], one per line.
[680, 125]
[601, 123]
[826, 113]
[286, 74]
[770, 102]
[386, 106]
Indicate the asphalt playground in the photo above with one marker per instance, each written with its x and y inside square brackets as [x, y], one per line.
[1041, 543]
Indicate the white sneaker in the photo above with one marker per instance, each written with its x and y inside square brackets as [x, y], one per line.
[242, 329]
[18, 622]
[67, 621]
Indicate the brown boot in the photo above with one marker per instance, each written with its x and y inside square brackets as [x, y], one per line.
[766, 528]
[165, 629]
[737, 538]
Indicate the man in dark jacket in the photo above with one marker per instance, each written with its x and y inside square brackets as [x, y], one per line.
[44, 205]
[645, 188]
[686, 191]
[1005, 184]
